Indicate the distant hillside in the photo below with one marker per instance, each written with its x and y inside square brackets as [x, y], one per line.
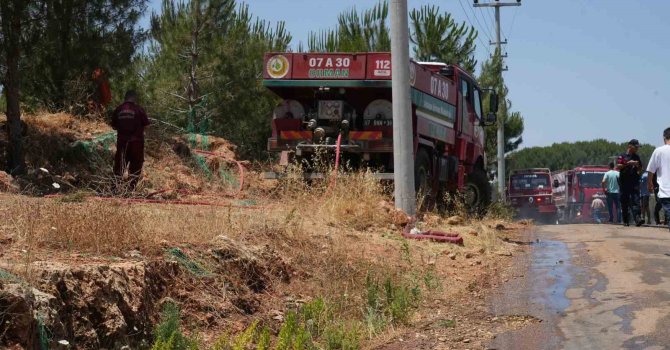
[568, 155]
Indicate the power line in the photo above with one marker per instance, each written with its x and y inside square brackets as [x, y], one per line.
[472, 25]
[511, 26]
[487, 32]
[490, 16]
[486, 24]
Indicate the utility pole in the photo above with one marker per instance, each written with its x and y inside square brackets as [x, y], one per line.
[501, 123]
[403, 145]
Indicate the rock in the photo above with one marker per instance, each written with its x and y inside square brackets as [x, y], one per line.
[481, 250]
[473, 233]
[277, 315]
[400, 218]
[454, 220]
[466, 340]
[452, 256]
[135, 254]
[469, 255]
[505, 253]
[7, 183]
[442, 339]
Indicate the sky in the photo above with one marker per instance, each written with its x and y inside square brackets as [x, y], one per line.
[578, 69]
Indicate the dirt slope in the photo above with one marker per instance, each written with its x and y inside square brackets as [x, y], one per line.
[95, 273]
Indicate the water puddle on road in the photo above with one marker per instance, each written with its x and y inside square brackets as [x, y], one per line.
[550, 276]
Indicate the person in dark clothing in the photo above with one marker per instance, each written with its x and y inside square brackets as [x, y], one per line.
[630, 168]
[129, 120]
[658, 206]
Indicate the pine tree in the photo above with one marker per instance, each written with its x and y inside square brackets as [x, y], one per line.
[437, 37]
[491, 78]
[13, 15]
[220, 82]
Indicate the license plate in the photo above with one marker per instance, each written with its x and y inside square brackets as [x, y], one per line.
[378, 122]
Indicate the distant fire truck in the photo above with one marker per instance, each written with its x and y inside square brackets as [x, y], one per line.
[326, 95]
[574, 191]
[530, 192]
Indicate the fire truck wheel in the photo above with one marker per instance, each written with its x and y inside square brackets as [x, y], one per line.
[422, 172]
[477, 191]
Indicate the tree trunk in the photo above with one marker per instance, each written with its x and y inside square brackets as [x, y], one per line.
[12, 12]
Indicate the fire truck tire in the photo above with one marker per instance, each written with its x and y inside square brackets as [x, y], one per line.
[422, 172]
[479, 188]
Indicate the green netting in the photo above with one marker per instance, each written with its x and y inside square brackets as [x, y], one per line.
[42, 334]
[98, 149]
[4, 275]
[189, 264]
[198, 123]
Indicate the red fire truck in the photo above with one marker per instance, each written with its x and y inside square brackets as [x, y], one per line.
[530, 192]
[325, 95]
[575, 190]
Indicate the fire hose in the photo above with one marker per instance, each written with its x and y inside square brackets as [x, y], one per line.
[432, 235]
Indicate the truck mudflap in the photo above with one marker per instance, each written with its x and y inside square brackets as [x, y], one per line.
[546, 209]
[272, 175]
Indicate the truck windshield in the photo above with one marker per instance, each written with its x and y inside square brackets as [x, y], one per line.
[530, 181]
[590, 179]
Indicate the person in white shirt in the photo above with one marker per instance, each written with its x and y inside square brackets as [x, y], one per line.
[659, 164]
[597, 206]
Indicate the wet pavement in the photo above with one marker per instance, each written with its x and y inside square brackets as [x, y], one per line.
[590, 287]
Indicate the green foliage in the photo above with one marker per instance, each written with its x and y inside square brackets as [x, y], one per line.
[168, 334]
[366, 32]
[65, 41]
[293, 334]
[568, 155]
[231, 102]
[437, 37]
[389, 302]
[244, 340]
[317, 315]
[491, 78]
[342, 337]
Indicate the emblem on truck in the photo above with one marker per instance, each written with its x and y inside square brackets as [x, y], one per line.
[277, 66]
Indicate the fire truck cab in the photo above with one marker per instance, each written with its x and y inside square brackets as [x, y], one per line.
[530, 192]
[575, 190]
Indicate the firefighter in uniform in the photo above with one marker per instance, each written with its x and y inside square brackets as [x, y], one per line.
[129, 120]
[630, 168]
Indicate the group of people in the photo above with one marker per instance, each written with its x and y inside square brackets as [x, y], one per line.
[628, 186]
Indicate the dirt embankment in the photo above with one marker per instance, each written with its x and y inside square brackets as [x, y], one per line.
[95, 303]
[82, 273]
[65, 153]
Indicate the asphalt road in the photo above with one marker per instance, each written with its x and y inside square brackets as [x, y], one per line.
[590, 287]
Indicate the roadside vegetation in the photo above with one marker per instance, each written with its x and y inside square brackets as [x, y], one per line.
[568, 155]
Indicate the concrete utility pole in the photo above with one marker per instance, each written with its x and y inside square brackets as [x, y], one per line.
[403, 145]
[501, 123]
